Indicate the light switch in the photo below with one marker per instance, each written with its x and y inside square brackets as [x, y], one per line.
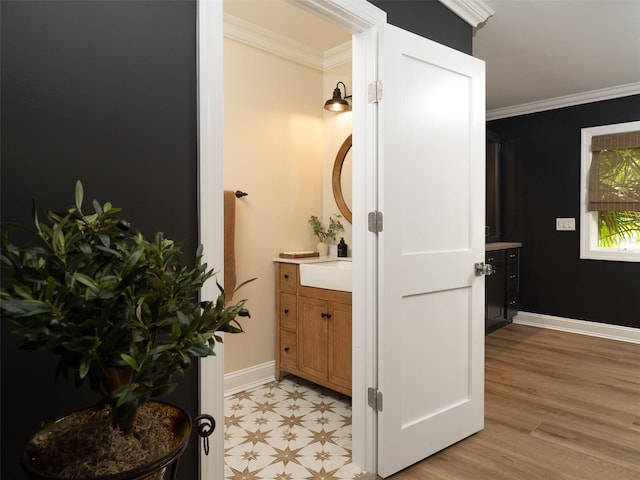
[565, 224]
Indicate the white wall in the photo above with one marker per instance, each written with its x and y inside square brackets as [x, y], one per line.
[337, 127]
[279, 147]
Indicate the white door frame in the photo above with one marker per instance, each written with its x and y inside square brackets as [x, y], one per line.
[365, 21]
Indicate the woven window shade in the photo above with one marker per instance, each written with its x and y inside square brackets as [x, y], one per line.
[614, 176]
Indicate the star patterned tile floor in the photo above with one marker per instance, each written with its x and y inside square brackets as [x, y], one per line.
[288, 430]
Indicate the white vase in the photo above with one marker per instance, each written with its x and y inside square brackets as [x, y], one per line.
[323, 249]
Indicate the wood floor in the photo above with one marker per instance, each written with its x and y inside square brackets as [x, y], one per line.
[558, 406]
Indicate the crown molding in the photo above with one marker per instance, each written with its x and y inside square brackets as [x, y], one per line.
[336, 56]
[565, 101]
[248, 33]
[474, 12]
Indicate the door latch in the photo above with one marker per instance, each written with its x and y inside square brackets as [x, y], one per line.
[484, 269]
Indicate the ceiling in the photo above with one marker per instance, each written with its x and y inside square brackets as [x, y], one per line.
[535, 50]
[542, 49]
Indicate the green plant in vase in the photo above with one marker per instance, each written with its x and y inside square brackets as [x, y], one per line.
[120, 311]
[323, 233]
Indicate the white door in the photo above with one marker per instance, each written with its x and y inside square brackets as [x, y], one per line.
[431, 195]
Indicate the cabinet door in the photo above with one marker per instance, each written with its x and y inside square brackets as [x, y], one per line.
[340, 345]
[288, 311]
[287, 277]
[288, 351]
[495, 298]
[313, 331]
[513, 282]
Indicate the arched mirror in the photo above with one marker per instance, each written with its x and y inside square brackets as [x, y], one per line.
[341, 179]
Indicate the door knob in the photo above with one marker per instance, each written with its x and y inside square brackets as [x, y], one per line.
[484, 269]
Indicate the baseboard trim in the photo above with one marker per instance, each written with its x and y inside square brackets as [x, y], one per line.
[249, 378]
[582, 327]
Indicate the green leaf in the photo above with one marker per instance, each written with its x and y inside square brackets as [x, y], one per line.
[97, 207]
[23, 293]
[85, 364]
[175, 330]
[58, 238]
[132, 260]
[123, 394]
[200, 350]
[79, 195]
[162, 348]
[24, 308]
[130, 361]
[85, 280]
[105, 239]
[183, 319]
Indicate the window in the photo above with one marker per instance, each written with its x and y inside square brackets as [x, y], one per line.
[610, 227]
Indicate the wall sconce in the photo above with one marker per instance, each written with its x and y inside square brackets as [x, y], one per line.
[337, 103]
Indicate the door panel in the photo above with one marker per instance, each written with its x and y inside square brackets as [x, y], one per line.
[431, 304]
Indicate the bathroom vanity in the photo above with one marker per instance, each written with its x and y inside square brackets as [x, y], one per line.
[313, 328]
[503, 285]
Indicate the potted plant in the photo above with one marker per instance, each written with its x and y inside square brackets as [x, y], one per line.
[324, 234]
[122, 312]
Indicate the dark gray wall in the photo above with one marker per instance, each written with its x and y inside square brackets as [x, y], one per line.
[104, 92]
[430, 19]
[541, 153]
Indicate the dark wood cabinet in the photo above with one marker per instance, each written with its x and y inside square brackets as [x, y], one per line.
[501, 287]
[493, 190]
[494, 308]
[512, 282]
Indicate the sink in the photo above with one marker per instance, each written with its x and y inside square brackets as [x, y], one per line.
[333, 275]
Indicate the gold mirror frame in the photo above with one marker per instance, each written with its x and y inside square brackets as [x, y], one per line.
[335, 179]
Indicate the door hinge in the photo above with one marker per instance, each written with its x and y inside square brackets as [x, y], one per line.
[375, 222]
[374, 399]
[374, 93]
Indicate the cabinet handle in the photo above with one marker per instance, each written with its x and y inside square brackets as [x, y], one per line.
[512, 255]
[286, 311]
[286, 276]
[512, 276]
[286, 349]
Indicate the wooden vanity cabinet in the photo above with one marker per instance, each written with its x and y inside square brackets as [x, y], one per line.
[313, 338]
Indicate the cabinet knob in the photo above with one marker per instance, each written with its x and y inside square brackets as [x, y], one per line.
[286, 349]
[286, 311]
[286, 276]
[323, 315]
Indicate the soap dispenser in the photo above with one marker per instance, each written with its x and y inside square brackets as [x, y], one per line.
[342, 248]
